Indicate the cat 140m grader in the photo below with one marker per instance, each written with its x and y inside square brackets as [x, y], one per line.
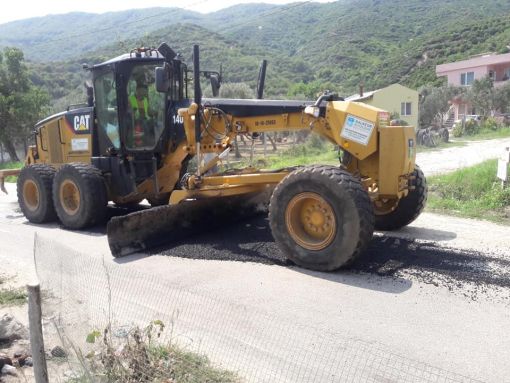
[134, 138]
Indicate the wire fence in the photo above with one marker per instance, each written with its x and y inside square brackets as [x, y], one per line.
[117, 323]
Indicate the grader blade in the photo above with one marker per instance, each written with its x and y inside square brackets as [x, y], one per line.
[146, 229]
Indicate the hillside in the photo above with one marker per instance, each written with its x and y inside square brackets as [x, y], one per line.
[61, 37]
[332, 45]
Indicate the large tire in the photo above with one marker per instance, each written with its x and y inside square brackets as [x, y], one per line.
[321, 217]
[419, 137]
[34, 193]
[79, 195]
[444, 134]
[408, 208]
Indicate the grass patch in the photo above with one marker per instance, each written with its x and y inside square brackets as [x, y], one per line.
[473, 192]
[304, 155]
[11, 165]
[487, 134]
[315, 150]
[12, 297]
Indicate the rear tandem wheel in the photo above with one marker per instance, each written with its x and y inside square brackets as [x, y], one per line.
[321, 217]
[34, 193]
[79, 195]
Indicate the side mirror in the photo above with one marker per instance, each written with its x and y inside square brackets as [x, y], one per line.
[215, 84]
[162, 78]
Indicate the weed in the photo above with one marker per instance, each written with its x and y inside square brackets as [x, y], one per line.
[471, 192]
[12, 297]
[141, 357]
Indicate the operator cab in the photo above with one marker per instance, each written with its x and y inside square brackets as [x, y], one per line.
[130, 111]
[136, 123]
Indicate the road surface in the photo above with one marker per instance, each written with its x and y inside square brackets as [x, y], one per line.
[435, 295]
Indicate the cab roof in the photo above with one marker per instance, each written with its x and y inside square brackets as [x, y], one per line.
[133, 56]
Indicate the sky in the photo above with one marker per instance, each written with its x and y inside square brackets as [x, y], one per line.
[21, 9]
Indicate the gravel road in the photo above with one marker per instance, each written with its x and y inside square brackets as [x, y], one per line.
[449, 159]
[436, 292]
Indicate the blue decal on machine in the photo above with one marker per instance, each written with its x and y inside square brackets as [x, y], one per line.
[357, 129]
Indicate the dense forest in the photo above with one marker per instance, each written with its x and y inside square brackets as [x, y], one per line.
[309, 46]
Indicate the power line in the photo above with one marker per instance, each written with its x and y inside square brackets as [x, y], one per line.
[280, 10]
[173, 11]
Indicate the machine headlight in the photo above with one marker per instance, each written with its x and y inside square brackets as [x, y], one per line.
[312, 110]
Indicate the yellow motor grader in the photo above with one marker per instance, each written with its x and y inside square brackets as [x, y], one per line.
[134, 138]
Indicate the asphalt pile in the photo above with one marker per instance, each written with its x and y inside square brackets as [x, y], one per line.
[465, 272]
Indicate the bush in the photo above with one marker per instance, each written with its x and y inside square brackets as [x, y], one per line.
[316, 141]
[491, 124]
[471, 127]
[458, 130]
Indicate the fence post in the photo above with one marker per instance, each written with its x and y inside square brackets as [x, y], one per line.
[36, 334]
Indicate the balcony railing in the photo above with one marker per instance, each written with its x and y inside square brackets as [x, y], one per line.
[500, 83]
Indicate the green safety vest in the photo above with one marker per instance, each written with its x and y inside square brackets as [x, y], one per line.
[134, 104]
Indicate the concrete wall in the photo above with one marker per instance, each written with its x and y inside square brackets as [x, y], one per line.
[391, 97]
[454, 76]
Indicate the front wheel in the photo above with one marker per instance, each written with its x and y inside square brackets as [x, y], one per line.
[79, 195]
[407, 209]
[321, 217]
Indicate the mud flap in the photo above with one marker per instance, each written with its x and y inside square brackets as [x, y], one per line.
[146, 229]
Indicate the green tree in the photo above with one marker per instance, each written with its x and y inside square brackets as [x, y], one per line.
[308, 91]
[502, 99]
[434, 104]
[236, 90]
[481, 95]
[21, 104]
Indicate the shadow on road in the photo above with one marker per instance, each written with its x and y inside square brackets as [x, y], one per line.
[389, 257]
[95, 231]
[426, 234]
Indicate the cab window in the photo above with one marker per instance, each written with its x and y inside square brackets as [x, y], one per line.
[106, 107]
[145, 109]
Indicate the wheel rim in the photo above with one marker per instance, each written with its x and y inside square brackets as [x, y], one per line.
[311, 221]
[31, 195]
[69, 197]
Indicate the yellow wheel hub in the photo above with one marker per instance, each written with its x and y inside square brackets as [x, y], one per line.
[31, 195]
[310, 221]
[69, 197]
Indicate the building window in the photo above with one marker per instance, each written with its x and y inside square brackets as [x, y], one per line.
[405, 109]
[467, 78]
[506, 76]
[492, 75]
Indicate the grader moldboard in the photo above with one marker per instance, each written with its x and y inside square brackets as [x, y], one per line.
[138, 131]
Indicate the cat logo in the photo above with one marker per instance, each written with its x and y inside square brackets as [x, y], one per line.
[81, 123]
